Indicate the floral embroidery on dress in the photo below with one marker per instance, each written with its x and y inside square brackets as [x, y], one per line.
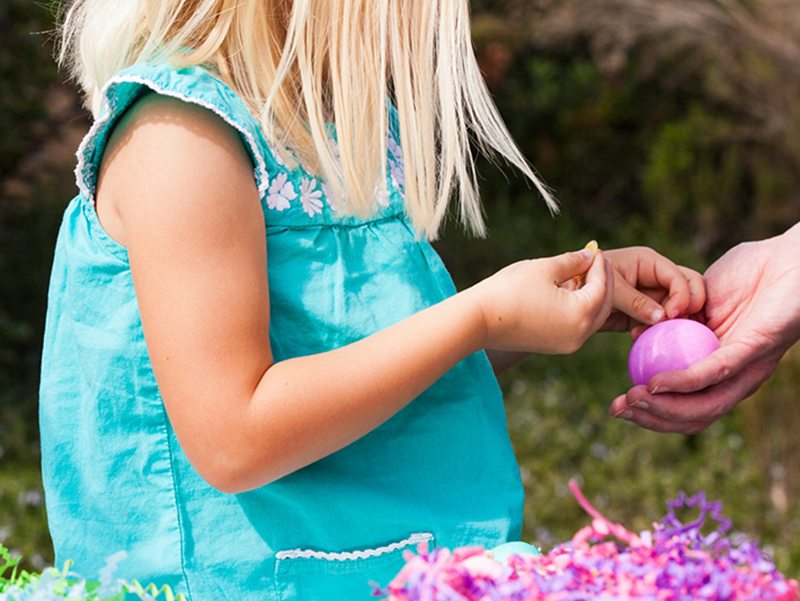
[332, 203]
[281, 192]
[382, 194]
[396, 166]
[310, 196]
[314, 193]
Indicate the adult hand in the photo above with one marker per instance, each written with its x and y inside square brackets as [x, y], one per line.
[649, 287]
[753, 306]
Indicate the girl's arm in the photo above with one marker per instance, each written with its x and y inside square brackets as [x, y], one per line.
[176, 188]
[648, 287]
[503, 360]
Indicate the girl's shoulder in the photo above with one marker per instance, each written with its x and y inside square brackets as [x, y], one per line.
[195, 85]
[290, 196]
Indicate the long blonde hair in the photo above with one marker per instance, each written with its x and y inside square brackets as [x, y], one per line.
[299, 64]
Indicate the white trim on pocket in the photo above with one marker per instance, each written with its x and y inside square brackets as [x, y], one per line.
[414, 539]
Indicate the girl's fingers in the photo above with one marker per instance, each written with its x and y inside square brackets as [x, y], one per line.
[598, 291]
[572, 283]
[595, 285]
[566, 266]
[608, 303]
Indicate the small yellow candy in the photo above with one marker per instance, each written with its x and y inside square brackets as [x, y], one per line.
[592, 246]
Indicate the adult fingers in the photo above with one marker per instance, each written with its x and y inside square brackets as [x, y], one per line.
[720, 365]
[674, 280]
[635, 406]
[697, 295]
[621, 403]
[651, 422]
[656, 271]
[621, 322]
[634, 303]
[688, 413]
[697, 290]
[617, 322]
[675, 408]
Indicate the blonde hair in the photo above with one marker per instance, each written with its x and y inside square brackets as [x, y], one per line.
[298, 64]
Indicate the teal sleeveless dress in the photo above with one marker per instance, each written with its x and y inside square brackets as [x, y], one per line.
[441, 471]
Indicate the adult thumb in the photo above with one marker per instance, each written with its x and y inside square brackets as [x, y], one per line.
[572, 264]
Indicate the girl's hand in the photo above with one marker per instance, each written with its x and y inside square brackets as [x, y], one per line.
[649, 287]
[526, 307]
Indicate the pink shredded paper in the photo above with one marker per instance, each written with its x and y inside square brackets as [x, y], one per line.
[673, 562]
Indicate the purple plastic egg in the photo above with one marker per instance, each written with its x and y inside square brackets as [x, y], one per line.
[669, 345]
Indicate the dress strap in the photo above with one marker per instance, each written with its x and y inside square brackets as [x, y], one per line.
[192, 84]
[290, 197]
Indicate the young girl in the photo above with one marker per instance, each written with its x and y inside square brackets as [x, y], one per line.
[258, 379]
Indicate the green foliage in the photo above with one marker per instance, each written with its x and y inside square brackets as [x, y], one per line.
[10, 563]
[700, 179]
[63, 584]
[153, 592]
[22, 512]
[22, 34]
[27, 233]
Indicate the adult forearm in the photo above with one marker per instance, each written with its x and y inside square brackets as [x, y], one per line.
[306, 408]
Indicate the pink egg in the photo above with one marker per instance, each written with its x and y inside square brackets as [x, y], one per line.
[669, 345]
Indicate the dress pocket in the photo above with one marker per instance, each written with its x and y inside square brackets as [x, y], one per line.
[312, 575]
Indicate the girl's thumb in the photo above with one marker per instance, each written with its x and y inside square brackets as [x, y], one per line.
[572, 264]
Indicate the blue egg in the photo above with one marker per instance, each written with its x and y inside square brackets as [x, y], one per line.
[502, 552]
